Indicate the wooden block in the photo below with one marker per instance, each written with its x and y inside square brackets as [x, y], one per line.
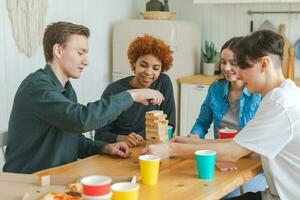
[154, 113]
[152, 138]
[157, 130]
[152, 126]
[150, 121]
[159, 117]
[155, 134]
[164, 122]
[157, 139]
[157, 123]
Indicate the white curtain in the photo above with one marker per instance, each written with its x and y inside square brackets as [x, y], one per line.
[28, 23]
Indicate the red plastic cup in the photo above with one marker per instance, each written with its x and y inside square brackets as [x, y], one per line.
[96, 186]
[227, 133]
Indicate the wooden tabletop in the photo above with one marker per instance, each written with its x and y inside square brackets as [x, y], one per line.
[177, 177]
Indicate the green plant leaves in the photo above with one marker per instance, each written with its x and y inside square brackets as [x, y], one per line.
[209, 52]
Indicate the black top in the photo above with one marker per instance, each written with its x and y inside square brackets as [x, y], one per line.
[133, 119]
[46, 123]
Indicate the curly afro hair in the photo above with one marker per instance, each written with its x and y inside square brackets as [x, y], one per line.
[149, 45]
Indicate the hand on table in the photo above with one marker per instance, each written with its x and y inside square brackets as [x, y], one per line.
[132, 139]
[120, 149]
[161, 150]
[193, 139]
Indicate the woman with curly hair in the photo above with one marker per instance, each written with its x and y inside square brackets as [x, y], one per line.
[149, 57]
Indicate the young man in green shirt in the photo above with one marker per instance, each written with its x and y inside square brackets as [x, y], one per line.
[46, 122]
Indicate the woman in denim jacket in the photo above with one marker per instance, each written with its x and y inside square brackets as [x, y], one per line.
[228, 103]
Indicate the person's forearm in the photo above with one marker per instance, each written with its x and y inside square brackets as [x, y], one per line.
[207, 141]
[105, 136]
[226, 151]
[182, 150]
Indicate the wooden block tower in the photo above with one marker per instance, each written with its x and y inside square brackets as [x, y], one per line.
[156, 126]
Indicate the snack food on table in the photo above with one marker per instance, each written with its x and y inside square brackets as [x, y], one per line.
[75, 187]
[60, 196]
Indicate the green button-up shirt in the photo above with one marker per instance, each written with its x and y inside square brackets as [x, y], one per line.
[46, 123]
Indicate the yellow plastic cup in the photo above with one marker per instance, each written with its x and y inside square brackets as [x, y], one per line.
[125, 191]
[149, 166]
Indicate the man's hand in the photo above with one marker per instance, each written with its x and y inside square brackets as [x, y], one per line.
[120, 149]
[132, 139]
[143, 95]
[161, 150]
[186, 140]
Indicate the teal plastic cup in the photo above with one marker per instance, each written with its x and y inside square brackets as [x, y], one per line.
[170, 132]
[206, 160]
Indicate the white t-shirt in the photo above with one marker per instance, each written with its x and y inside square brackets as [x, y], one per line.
[274, 133]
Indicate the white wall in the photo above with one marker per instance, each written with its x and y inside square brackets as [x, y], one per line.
[220, 22]
[98, 15]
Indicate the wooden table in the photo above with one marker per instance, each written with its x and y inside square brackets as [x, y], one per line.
[177, 178]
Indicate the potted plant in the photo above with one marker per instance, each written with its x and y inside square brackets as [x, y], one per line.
[209, 54]
[154, 5]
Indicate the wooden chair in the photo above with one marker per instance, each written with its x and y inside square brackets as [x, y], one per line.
[3, 141]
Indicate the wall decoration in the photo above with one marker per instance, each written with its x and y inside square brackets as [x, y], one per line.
[28, 23]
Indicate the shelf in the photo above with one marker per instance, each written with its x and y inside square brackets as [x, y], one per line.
[207, 80]
[199, 79]
[243, 1]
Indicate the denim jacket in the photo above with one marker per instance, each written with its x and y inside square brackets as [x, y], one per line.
[216, 105]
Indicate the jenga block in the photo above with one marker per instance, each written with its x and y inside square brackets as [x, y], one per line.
[151, 126]
[152, 138]
[154, 113]
[153, 121]
[157, 130]
[158, 117]
[156, 133]
[150, 121]
[164, 122]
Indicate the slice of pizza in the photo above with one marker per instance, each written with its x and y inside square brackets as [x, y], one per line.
[60, 196]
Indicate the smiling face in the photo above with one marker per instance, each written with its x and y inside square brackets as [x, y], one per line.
[73, 56]
[147, 69]
[228, 65]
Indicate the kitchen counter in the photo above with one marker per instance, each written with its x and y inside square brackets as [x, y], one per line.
[207, 80]
[199, 79]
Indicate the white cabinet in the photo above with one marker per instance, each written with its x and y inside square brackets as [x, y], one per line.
[191, 99]
[243, 1]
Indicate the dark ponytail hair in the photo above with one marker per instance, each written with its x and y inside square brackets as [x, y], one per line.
[257, 45]
[231, 44]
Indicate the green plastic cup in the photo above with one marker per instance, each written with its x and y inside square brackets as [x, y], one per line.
[170, 132]
[206, 160]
